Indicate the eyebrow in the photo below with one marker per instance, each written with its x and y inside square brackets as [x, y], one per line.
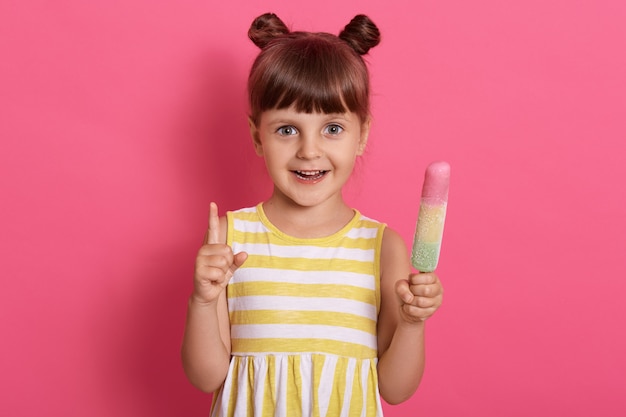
[294, 118]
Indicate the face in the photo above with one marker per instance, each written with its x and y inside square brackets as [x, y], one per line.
[309, 156]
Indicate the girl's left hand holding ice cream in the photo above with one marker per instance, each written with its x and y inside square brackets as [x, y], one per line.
[420, 295]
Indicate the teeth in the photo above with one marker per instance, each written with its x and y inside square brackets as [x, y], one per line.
[310, 175]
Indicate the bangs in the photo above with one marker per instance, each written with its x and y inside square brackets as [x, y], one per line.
[313, 95]
[311, 76]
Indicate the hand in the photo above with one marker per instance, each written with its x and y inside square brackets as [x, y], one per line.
[421, 296]
[215, 263]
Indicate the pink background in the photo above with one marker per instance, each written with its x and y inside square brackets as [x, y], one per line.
[121, 120]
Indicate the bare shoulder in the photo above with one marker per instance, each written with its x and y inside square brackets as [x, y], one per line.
[394, 263]
[392, 239]
[394, 266]
[394, 256]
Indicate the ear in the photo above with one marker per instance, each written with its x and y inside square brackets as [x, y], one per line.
[365, 132]
[256, 138]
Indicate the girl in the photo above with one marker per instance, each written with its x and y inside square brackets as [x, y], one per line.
[302, 305]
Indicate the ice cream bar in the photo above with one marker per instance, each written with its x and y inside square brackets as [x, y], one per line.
[431, 218]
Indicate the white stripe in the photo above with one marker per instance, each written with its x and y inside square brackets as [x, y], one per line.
[313, 252]
[280, 303]
[306, 366]
[362, 233]
[247, 209]
[247, 226]
[303, 331]
[251, 226]
[379, 405]
[218, 411]
[347, 395]
[221, 405]
[280, 376]
[304, 277]
[365, 372]
[241, 394]
[325, 389]
[260, 375]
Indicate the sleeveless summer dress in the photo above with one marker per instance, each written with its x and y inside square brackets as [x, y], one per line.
[303, 316]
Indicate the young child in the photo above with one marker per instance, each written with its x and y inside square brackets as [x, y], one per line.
[302, 305]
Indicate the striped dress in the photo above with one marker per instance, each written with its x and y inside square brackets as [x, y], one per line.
[303, 316]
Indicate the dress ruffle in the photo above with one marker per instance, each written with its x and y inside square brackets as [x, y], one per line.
[312, 385]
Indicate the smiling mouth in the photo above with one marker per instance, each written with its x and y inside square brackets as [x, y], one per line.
[310, 175]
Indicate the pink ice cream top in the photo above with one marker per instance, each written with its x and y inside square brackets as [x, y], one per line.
[436, 183]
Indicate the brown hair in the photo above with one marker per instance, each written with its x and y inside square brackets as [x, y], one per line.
[315, 72]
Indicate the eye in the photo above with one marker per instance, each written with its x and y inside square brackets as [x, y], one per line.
[286, 131]
[333, 129]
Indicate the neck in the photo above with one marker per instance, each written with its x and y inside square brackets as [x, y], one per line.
[308, 221]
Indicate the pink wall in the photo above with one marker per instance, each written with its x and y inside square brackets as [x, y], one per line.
[121, 120]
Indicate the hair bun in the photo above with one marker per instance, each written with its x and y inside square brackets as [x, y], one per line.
[361, 34]
[265, 28]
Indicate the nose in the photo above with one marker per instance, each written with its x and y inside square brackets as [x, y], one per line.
[310, 148]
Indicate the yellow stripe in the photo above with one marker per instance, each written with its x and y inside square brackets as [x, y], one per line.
[294, 388]
[248, 216]
[230, 231]
[234, 387]
[253, 216]
[372, 385]
[370, 224]
[356, 396]
[270, 396]
[265, 238]
[242, 289]
[250, 382]
[249, 237]
[326, 318]
[378, 248]
[317, 373]
[333, 347]
[338, 390]
[261, 238]
[307, 264]
[358, 243]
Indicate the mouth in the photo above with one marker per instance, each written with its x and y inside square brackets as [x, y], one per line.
[310, 175]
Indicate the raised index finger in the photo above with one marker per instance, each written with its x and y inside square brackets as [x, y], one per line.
[213, 234]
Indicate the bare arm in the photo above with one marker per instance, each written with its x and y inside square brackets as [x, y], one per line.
[407, 299]
[206, 343]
